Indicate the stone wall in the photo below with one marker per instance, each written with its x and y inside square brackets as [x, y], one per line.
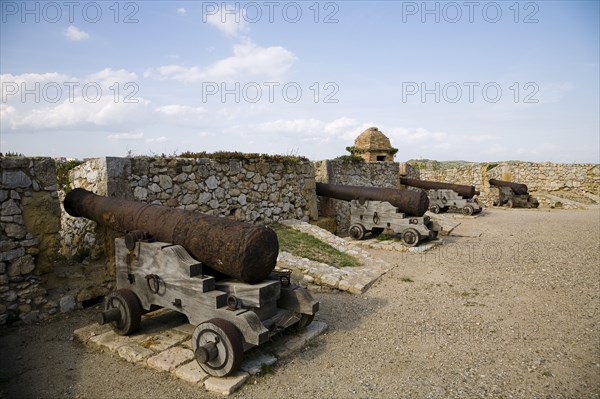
[29, 236]
[546, 181]
[352, 173]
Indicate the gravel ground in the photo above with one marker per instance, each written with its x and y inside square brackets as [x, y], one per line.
[512, 313]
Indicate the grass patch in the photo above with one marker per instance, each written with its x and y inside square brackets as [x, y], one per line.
[388, 237]
[407, 280]
[304, 245]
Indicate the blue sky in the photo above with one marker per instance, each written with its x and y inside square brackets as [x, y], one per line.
[477, 81]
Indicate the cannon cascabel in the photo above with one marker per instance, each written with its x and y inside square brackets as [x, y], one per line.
[236, 249]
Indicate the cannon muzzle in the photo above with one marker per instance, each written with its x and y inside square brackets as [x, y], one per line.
[236, 249]
[411, 202]
[518, 188]
[462, 190]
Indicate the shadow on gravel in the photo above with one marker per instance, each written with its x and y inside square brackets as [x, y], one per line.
[356, 309]
[41, 361]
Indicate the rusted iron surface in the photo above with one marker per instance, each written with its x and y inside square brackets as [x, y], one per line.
[462, 190]
[236, 249]
[411, 202]
[518, 188]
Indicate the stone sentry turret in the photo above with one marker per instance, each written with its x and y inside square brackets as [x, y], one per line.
[373, 146]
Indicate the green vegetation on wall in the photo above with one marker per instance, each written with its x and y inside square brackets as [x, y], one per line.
[286, 159]
[62, 174]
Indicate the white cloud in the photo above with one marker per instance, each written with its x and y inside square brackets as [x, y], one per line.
[181, 11]
[290, 126]
[125, 136]
[344, 131]
[160, 139]
[7, 116]
[414, 135]
[343, 128]
[479, 138]
[229, 20]
[14, 87]
[180, 110]
[107, 78]
[74, 33]
[248, 60]
[112, 101]
[496, 149]
[341, 125]
[80, 113]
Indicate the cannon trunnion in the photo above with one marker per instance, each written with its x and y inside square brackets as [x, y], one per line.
[231, 315]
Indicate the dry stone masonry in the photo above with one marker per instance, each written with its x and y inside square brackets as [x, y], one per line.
[548, 182]
[29, 236]
[249, 190]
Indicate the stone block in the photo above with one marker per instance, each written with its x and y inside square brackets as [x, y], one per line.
[186, 328]
[226, 385]
[10, 208]
[83, 334]
[15, 178]
[254, 365]
[170, 359]
[191, 372]
[30, 317]
[23, 265]
[15, 230]
[112, 341]
[45, 171]
[67, 303]
[134, 353]
[163, 341]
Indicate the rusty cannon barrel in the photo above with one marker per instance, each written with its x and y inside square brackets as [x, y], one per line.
[236, 249]
[462, 190]
[518, 188]
[412, 202]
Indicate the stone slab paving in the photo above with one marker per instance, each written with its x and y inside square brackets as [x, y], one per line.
[355, 280]
[163, 343]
